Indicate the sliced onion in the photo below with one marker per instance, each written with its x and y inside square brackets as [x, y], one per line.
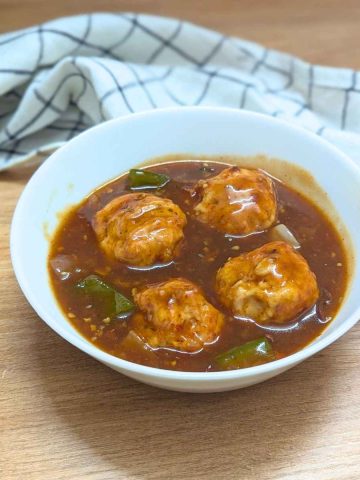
[64, 266]
[136, 345]
[281, 232]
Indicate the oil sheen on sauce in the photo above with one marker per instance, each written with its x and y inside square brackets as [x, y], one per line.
[203, 253]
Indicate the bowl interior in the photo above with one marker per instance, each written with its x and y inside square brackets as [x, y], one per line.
[99, 155]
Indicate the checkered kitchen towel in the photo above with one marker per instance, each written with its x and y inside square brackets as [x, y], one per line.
[61, 77]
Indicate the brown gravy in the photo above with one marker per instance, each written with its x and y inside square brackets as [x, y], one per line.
[204, 251]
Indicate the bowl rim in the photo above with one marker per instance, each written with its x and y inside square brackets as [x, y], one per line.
[76, 339]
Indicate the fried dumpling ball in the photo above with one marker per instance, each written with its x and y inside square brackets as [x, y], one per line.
[238, 201]
[272, 283]
[175, 314]
[140, 229]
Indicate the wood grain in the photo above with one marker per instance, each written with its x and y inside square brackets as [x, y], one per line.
[321, 31]
[64, 416]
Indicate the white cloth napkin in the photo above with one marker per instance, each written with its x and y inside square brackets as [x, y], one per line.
[63, 76]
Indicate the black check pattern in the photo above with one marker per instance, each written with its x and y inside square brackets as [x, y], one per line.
[60, 78]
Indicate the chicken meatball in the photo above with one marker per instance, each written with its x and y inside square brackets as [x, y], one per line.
[140, 229]
[175, 314]
[238, 201]
[272, 283]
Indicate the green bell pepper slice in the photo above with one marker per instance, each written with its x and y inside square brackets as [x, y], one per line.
[110, 300]
[249, 354]
[143, 179]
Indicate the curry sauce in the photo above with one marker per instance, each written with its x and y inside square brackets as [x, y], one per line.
[75, 254]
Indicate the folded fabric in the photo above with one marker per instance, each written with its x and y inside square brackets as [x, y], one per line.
[59, 78]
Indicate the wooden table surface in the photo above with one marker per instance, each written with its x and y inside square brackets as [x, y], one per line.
[65, 416]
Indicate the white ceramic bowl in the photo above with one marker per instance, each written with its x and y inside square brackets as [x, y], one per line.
[106, 151]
